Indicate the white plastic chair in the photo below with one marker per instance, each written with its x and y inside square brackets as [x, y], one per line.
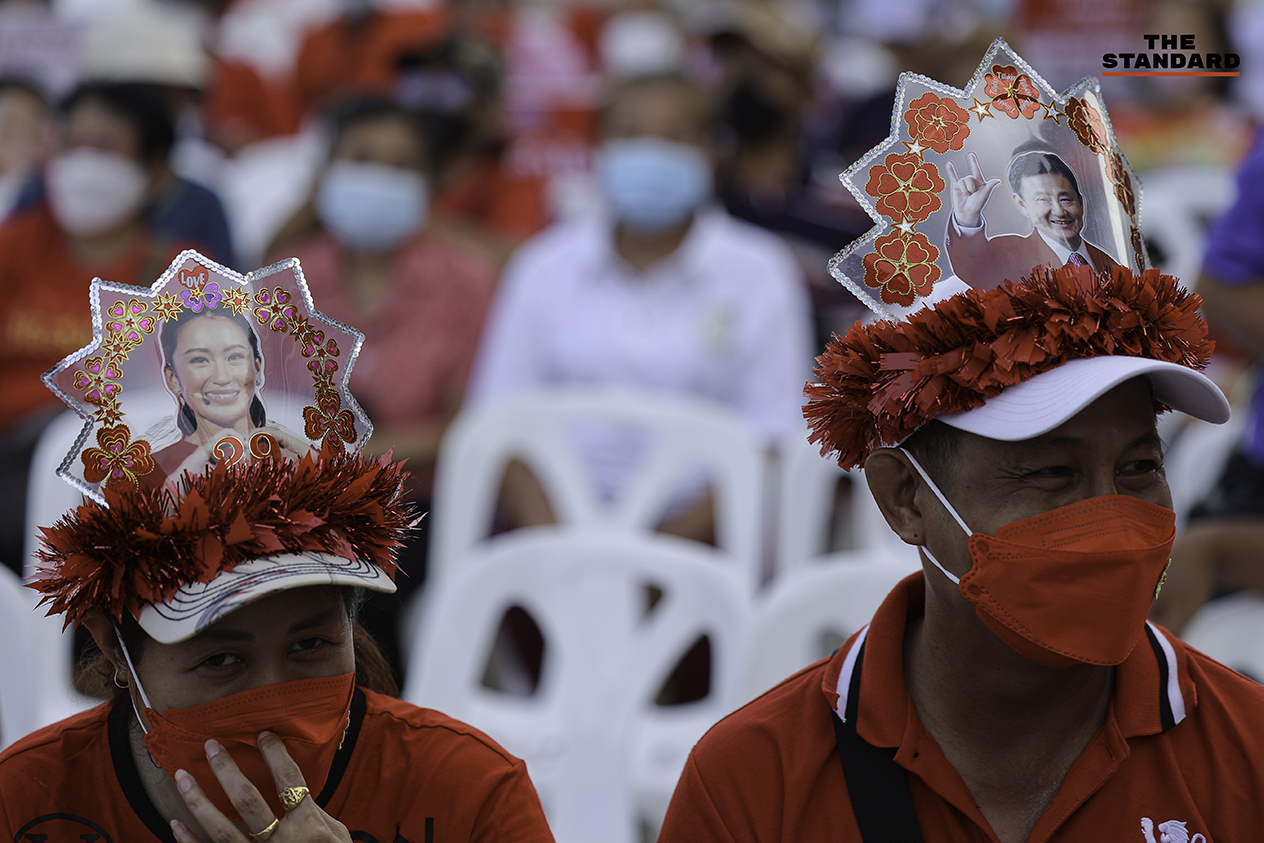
[682, 433]
[1179, 201]
[601, 753]
[811, 609]
[1197, 457]
[1230, 629]
[49, 497]
[19, 706]
[806, 486]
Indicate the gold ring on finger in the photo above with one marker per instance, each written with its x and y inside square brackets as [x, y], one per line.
[291, 796]
[260, 836]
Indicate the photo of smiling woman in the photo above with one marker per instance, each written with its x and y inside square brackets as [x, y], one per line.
[213, 366]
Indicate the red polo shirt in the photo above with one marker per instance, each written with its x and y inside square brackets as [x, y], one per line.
[403, 775]
[1181, 744]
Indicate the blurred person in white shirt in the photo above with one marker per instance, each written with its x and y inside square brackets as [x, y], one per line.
[665, 292]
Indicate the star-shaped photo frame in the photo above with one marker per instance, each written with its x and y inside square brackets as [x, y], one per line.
[206, 366]
[984, 141]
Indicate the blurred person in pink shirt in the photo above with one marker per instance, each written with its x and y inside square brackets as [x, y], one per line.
[373, 258]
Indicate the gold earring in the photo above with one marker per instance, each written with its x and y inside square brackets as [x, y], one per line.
[119, 684]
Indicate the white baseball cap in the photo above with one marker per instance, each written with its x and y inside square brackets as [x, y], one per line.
[1041, 403]
[196, 606]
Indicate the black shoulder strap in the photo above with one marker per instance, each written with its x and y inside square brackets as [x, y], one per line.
[876, 784]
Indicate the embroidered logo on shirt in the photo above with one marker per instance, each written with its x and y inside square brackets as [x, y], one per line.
[1172, 831]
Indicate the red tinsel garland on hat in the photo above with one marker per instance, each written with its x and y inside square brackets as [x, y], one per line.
[880, 382]
[143, 544]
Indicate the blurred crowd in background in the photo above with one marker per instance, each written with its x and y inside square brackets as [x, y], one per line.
[404, 151]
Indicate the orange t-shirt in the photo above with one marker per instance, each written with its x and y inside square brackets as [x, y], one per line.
[44, 307]
[404, 775]
[1179, 745]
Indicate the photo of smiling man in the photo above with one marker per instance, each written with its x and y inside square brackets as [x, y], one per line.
[1045, 190]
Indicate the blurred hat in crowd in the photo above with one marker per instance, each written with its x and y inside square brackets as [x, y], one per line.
[641, 43]
[146, 44]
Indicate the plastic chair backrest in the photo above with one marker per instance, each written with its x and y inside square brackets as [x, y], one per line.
[681, 433]
[1179, 202]
[1196, 458]
[806, 485]
[49, 498]
[19, 705]
[600, 752]
[1230, 629]
[810, 610]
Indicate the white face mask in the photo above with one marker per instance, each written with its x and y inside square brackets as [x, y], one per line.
[943, 499]
[372, 207]
[91, 191]
[652, 184]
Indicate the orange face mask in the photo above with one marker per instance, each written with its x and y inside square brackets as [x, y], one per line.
[309, 715]
[1073, 585]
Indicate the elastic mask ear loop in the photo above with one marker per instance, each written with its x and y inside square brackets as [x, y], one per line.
[135, 681]
[956, 580]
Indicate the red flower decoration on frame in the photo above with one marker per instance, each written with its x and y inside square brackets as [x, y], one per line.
[329, 420]
[1087, 124]
[119, 461]
[1011, 91]
[906, 186]
[1138, 250]
[1118, 175]
[937, 122]
[903, 268]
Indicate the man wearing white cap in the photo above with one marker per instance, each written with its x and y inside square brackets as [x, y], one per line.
[1013, 689]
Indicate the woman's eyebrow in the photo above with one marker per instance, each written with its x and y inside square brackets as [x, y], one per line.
[208, 351]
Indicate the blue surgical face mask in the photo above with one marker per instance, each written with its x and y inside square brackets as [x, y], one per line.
[371, 207]
[652, 184]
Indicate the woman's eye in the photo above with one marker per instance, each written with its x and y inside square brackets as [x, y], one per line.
[308, 644]
[222, 660]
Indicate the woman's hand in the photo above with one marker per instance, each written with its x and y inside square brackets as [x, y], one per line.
[306, 822]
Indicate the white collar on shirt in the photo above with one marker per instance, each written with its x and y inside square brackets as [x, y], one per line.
[1063, 252]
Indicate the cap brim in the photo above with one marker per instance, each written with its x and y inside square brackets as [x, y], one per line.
[195, 607]
[1045, 401]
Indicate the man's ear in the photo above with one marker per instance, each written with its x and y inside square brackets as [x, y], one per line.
[893, 484]
[102, 629]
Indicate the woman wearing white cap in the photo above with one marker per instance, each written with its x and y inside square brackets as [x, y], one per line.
[249, 705]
